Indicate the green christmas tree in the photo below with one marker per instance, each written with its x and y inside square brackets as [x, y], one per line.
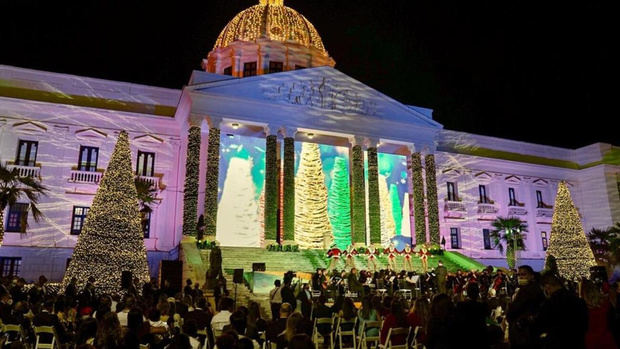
[397, 212]
[569, 245]
[339, 204]
[111, 240]
[312, 228]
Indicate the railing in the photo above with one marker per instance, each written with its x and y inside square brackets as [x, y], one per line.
[25, 171]
[487, 208]
[544, 212]
[455, 206]
[85, 177]
[153, 181]
[516, 211]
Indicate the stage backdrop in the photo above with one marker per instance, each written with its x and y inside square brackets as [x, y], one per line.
[322, 194]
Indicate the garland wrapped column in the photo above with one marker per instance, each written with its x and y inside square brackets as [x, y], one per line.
[288, 207]
[431, 197]
[418, 198]
[271, 189]
[358, 196]
[212, 179]
[190, 193]
[374, 208]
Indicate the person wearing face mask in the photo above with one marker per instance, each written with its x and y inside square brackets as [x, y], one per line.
[563, 318]
[524, 309]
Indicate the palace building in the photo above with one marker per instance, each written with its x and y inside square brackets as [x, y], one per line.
[272, 144]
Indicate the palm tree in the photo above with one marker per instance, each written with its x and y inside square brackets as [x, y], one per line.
[508, 231]
[12, 188]
[605, 243]
[146, 198]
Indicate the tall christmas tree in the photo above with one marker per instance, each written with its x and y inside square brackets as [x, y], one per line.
[339, 204]
[405, 226]
[388, 227]
[238, 217]
[396, 209]
[312, 227]
[111, 240]
[569, 246]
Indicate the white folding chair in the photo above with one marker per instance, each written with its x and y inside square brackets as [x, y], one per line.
[317, 337]
[38, 331]
[398, 331]
[363, 338]
[12, 333]
[345, 333]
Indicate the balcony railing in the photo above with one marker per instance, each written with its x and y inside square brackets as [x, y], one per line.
[25, 171]
[85, 177]
[455, 206]
[487, 208]
[154, 181]
[544, 212]
[516, 211]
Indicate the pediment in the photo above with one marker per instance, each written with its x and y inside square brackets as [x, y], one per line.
[451, 172]
[29, 127]
[540, 182]
[90, 134]
[513, 179]
[147, 140]
[483, 176]
[323, 91]
[2, 122]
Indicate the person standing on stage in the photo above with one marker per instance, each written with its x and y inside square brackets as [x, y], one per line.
[407, 252]
[371, 253]
[391, 253]
[424, 257]
[334, 256]
[350, 254]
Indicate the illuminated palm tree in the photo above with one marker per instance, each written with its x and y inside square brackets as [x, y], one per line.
[508, 231]
[12, 188]
[146, 198]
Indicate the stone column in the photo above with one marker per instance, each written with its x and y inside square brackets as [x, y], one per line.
[358, 195]
[418, 198]
[374, 205]
[271, 187]
[431, 197]
[288, 187]
[192, 170]
[212, 177]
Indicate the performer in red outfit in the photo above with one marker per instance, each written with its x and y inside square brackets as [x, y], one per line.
[334, 255]
[407, 252]
[371, 253]
[391, 253]
[423, 253]
[350, 254]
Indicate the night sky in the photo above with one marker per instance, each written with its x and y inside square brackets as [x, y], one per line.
[535, 71]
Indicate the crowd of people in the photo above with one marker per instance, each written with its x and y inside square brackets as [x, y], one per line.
[487, 309]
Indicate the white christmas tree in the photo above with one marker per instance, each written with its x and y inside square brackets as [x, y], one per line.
[312, 226]
[405, 226]
[238, 222]
[339, 204]
[388, 226]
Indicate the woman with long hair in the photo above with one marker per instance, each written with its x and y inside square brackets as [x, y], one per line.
[419, 315]
[395, 319]
[255, 324]
[368, 313]
[109, 335]
[292, 325]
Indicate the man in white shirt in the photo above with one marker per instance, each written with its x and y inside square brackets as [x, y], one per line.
[275, 298]
[222, 318]
[122, 315]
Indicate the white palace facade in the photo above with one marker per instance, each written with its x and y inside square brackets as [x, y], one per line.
[269, 76]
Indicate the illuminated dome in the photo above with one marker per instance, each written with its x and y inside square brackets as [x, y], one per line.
[272, 20]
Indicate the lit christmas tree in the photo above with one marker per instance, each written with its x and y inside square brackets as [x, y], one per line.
[238, 222]
[111, 240]
[339, 204]
[388, 227]
[396, 209]
[312, 228]
[569, 246]
[405, 226]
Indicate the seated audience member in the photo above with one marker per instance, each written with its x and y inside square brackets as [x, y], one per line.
[292, 328]
[222, 318]
[274, 328]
